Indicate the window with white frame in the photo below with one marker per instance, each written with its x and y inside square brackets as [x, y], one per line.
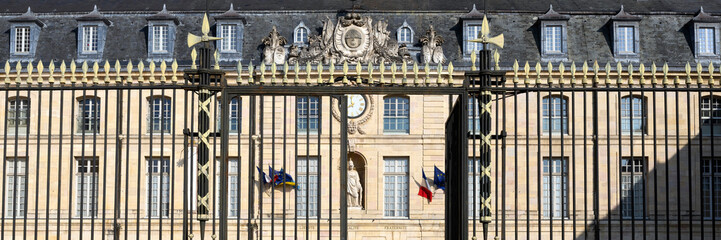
[395, 179]
[159, 114]
[626, 39]
[474, 115]
[158, 187]
[711, 187]
[88, 118]
[405, 35]
[632, 187]
[633, 115]
[553, 39]
[86, 174]
[301, 35]
[22, 39]
[307, 114]
[233, 194]
[17, 116]
[555, 115]
[472, 33]
[307, 187]
[16, 185]
[233, 115]
[396, 114]
[160, 38]
[229, 34]
[474, 188]
[90, 39]
[706, 40]
[711, 115]
[555, 188]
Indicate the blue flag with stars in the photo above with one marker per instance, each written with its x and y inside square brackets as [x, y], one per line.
[439, 178]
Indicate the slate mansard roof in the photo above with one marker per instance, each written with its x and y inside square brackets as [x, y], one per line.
[665, 28]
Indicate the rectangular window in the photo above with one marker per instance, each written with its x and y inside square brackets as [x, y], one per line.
[16, 185]
[159, 115]
[711, 116]
[89, 116]
[474, 116]
[555, 188]
[158, 187]
[307, 114]
[555, 115]
[90, 39]
[233, 115]
[633, 115]
[307, 187]
[632, 187]
[22, 40]
[553, 35]
[474, 188]
[706, 40]
[626, 39]
[17, 117]
[160, 38]
[396, 113]
[395, 179]
[233, 207]
[711, 187]
[472, 33]
[86, 199]
[229, 35]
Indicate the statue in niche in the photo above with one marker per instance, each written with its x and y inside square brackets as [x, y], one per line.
[432, 49]
[355, 189]
[274, 52]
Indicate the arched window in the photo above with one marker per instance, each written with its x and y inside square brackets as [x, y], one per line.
[88, 118]
[555, 114]
[159, 114]
[396, 114]
[300, 35]
[711, 115]
[405, 34]
[17, 115]
[633, 115]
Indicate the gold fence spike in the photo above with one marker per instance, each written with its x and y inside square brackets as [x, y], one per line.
[416, 81]
[699, 70]
[596, 68]
[163, 67]
[665, 73]
[428, 74]
[382, 68]
[608, 72]
[549, 69]
[106, 67]
[7, 72]
[319, 69]
[496, 59]
[217, 60]
[515, 71]
[262, 72]
[584, 69]
[678, 80]
[285, 72]
[273, 70]
[619, 70]
[141, 69]
[96, 68]
[29, 68]
[73, 67]
[450, 73]
[345, 72]
[331, 80]
[62, 72]
[251, 73]
[238, 70]
[151, 67]
[308, 69]
[538, 72]
[688, 73]
[370, 73]
[642, 73]
[174, 68]
[193, 56]
[710, 74]
[473, 60]
[129, 69]
[439, 69]
[561, 70]
[117, 72]
[358, 69]
[296, 70]
[51, 69]
[40, 68]
[630, 74]
[84, 67]
[654, 80]
[393, 73]
[527, 71]
[573, 72]
[404, 70]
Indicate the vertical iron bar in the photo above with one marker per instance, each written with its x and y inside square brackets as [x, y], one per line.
[186, 167]
[596, 153]
[667, 193]
[503, 167]
[307, 166]
[118, 160]
[295, 166]
[285, 167]
[318, 166]
[539, 158]
[618, 163]
[105, 161]
[572, 124]
[127, 159]
[608, 159]
[71, 169]
[689, 161]
[678, 163]
[224, 131]
[272, 164]
[139, 159]
[5, 150]
[149, 161]
[261, 159]
[81, 189]
[37, 164]
[644, 131]
[49, 159]
[343, 167]
[171, 165]
[330, 169]
[251, 164]
[655, 167]
[528, 164]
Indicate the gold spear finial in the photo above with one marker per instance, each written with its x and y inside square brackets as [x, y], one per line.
[483, 36]
[193, 39]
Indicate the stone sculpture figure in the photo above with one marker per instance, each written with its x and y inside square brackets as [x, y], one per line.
[274, 52]
[355, 189]
[432, 49]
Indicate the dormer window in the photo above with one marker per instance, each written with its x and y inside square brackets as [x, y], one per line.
[160, 38]
[471, 23]
[472, 31]
[405, 34]
[625, 36]
[706, 40]
[90, 39]
[91, 35]
[22, 40]
[161, 35]
[229, 26]
[706, 34]
[300, 34]
[24, 33]
[553, 35]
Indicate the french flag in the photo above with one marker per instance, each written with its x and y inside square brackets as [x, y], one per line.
[424, 190]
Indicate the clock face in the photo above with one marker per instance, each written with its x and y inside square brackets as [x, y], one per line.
[356, 105]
